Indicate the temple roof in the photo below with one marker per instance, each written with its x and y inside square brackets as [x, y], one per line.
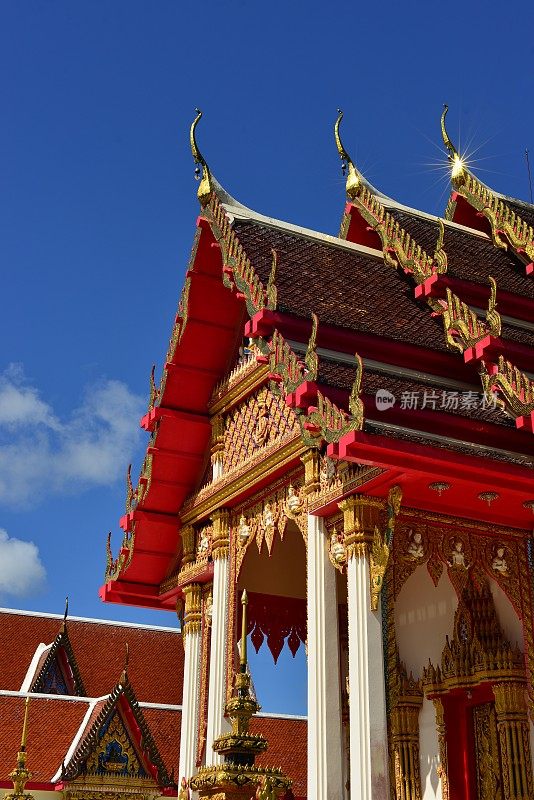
[98, 647]
[347, 287]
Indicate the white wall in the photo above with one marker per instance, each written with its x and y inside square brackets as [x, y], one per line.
[424, 615]
[429, 752]
[510, 622]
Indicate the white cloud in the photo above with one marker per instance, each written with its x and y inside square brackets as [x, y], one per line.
[40, 453]
[21, 570]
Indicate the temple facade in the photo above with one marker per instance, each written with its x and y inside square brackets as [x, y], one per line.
[343, 427]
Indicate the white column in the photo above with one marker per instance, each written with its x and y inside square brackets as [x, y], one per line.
[217, 723]
[368, 725]
[325, 743]
[191, 633]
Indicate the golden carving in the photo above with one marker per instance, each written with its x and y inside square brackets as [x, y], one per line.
[514, 389]
[442, 744]
[221, 533]
[188, 544]
[463, 328]
[513, 727]
[404, 722]
[193, 608]
[478, 650]
[271, 290]
[488, 771]
[202, 173]
[503, 221]
[261, 420]
[269, 460]
[21, 775]
[239, 271]
[337, 552]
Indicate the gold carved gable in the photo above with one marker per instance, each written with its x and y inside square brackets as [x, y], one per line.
[114, 753]
[261, 421]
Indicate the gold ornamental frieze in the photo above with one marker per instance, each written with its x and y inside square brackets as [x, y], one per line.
[465, 550]
[264, 519]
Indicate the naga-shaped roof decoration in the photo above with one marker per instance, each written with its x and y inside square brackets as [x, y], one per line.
[504, 221]
[399, 248]
[202, 171]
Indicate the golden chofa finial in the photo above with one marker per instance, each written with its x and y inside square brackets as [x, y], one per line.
[202, 172]
[457, 162]
[354, 181]
[66, 614]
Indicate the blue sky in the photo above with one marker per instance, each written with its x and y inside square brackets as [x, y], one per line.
[98, 207]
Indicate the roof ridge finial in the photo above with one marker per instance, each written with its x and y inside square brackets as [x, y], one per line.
[204, 176]
[354, 179]
[65, 615]
[458, 164]
[124, 676]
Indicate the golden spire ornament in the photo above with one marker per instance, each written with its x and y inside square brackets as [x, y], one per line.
[21, 775]
[354, 179]
[457, 162]
[237, 778]
[202, 172]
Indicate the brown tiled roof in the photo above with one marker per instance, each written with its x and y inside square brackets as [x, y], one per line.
[56, 716]
[99, 650]
[343, 286]
[287, 740]
[471, 257]
[341, 376]
[165, 725]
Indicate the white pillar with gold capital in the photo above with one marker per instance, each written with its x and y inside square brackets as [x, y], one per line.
[369, 777]
[217, 722]
[325, 739]
[191, 632]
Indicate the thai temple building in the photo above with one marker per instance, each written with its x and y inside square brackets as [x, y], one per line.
[343, 428]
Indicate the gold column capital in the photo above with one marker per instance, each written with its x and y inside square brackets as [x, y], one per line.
[361, 517]
[188, 545]
[217, 438]
[193, 608]
[311, 460]
[221, 533]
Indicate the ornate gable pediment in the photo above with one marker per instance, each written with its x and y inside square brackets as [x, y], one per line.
[59, 673]
[250, 428]
[117, 750]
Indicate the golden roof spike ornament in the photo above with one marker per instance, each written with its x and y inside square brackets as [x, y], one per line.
[202, 172]
[66, 613]
[354, 179]
[21, 775]
[458, 165]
